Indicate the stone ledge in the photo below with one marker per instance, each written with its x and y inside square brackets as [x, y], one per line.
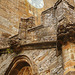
[35, 28]
[39, 45]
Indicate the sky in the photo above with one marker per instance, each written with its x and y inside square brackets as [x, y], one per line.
[36, 3]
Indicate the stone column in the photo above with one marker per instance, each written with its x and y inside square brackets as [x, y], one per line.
[68, 52]
[66, 37]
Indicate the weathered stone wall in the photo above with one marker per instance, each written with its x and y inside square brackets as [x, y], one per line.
[3, 43]
[45, 59]
[65, 13]
[45, 32]
[68, 55]
[61, 14]
[5, 61]
[11, 12]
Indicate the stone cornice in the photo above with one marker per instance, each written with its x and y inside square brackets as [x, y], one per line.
[39, 45]
[17, 47]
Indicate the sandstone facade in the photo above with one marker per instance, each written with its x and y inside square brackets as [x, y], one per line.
[43, 47]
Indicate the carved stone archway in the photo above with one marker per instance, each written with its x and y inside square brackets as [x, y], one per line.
[21, 65]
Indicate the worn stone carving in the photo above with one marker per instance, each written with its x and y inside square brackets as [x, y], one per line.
[15, 45]
[66, 33]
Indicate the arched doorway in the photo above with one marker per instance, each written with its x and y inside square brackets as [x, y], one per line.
[21, 65]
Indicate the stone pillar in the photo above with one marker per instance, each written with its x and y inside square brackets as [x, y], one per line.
[66, 37]
[68, 52]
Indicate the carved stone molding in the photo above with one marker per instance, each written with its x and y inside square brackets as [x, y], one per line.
[20, 62]
[15, 45]
[66, 34]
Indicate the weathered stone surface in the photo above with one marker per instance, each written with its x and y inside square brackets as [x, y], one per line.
[5, 62]
[68, 57]
[44, 60]
[4, 43]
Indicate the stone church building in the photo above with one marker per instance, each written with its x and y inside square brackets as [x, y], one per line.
[37, 37]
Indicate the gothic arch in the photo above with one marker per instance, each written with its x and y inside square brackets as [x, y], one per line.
[19, 63]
